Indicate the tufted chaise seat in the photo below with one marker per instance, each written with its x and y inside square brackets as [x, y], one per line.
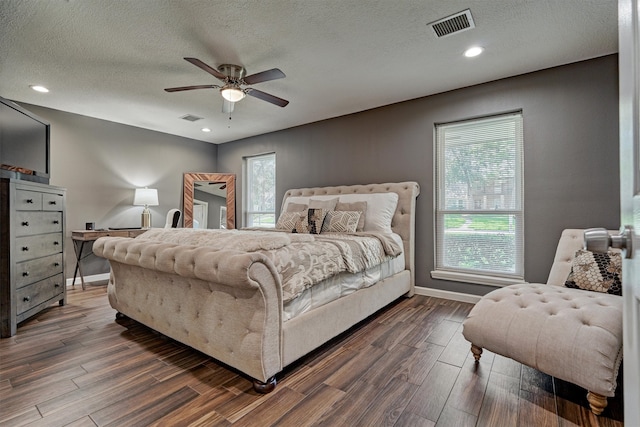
[568, 333]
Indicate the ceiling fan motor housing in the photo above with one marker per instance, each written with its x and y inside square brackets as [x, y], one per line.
[234, 72]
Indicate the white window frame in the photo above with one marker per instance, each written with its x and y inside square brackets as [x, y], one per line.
[475, 275]
[265, 214]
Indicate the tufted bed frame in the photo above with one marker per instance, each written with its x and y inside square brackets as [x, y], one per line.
[228, 304]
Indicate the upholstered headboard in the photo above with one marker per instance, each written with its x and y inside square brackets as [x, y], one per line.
[403, 221]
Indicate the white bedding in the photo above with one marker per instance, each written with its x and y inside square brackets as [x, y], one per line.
[343, 284]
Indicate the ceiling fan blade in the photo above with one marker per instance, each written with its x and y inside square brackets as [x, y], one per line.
[264, 76]
[267, 97]
[205, 67]
[178, 89]
[227, 106]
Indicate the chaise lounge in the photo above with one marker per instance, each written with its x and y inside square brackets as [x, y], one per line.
[571, 334]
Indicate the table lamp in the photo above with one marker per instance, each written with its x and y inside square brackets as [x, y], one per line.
[146, 197]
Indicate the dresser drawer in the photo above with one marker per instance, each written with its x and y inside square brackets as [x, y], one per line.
[39, 292]
[37, 269]
[52, 202]
[28, 200]
[31, 247]
[29, 223]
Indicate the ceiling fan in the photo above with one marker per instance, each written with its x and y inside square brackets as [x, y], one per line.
[233, 78]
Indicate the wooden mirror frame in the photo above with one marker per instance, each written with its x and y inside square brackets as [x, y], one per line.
[187, 203]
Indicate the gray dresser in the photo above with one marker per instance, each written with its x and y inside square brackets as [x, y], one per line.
[32, 230]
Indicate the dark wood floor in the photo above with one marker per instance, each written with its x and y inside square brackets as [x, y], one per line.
[407, 366]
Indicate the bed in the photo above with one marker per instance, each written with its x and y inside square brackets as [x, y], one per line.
[230, 294]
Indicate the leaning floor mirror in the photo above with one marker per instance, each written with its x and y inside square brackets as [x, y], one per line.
[209, 200]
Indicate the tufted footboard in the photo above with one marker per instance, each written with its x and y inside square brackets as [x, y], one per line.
[226, 304]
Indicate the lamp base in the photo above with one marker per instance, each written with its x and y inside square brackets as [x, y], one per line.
[146, 218]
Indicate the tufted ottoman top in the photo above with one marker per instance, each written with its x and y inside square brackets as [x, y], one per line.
[571, 334]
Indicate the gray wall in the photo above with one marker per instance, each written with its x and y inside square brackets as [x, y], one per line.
[100, 163]
[570, 141]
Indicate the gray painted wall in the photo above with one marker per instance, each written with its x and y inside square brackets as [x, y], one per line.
[570, 153]
[100, 163]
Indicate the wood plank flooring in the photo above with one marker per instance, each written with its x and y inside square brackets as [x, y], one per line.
[408, 365]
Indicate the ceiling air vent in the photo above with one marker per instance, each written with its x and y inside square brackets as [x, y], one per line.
[453, 24]
[191, 118]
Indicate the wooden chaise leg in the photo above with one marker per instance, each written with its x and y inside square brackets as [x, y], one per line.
[266, 387]
[477, 352]
[597, 402]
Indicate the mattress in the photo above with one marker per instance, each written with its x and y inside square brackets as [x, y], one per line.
[341, 285]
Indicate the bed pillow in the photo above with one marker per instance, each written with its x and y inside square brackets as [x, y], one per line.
[380, 209]
[303, 200]
[593, 271]
[311, 222]
[326, 204]
[355, 206]
[297, 207]
[341, 221]
[287, 220]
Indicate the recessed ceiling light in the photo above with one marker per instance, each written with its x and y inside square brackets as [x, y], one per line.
[38, 88]
[206, 130]
[473, 51]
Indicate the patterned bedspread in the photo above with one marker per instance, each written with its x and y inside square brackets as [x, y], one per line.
[302, 260]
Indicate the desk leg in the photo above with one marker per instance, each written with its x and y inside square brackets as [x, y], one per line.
[78, 266]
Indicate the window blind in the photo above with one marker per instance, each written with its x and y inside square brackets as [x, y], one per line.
[260, 190]
[479, 191]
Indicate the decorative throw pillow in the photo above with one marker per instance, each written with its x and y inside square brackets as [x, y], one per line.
[354, 206]
[311, 222]
[297, 207]
[599, 272]
[287, 220]
[341, 221]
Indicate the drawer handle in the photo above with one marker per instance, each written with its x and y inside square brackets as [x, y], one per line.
[25, 248]
[56, 264]
[56, 285]
[55, 221]
[25, 223]
[29, 200]
[25, 274]
[56, 243]
[26, 299]
[52, 202]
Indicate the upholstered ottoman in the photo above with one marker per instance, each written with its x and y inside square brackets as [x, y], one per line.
[571, 334]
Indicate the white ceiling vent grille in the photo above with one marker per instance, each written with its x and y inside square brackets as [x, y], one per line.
[461, 21]
[191, 118]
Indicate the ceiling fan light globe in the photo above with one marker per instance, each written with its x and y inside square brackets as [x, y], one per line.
[232, 94]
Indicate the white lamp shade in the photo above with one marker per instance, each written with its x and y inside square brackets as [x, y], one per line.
[232, 94]
[146, 197]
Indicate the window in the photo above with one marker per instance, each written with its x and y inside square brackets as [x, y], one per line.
[260, 191]
[479, 208]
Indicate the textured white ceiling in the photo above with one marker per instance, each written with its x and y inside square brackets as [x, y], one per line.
[112, 59]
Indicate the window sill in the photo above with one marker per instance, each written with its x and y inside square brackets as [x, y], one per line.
[475, 278]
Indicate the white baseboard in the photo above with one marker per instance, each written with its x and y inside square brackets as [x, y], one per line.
[89, 279]
[455, 296]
